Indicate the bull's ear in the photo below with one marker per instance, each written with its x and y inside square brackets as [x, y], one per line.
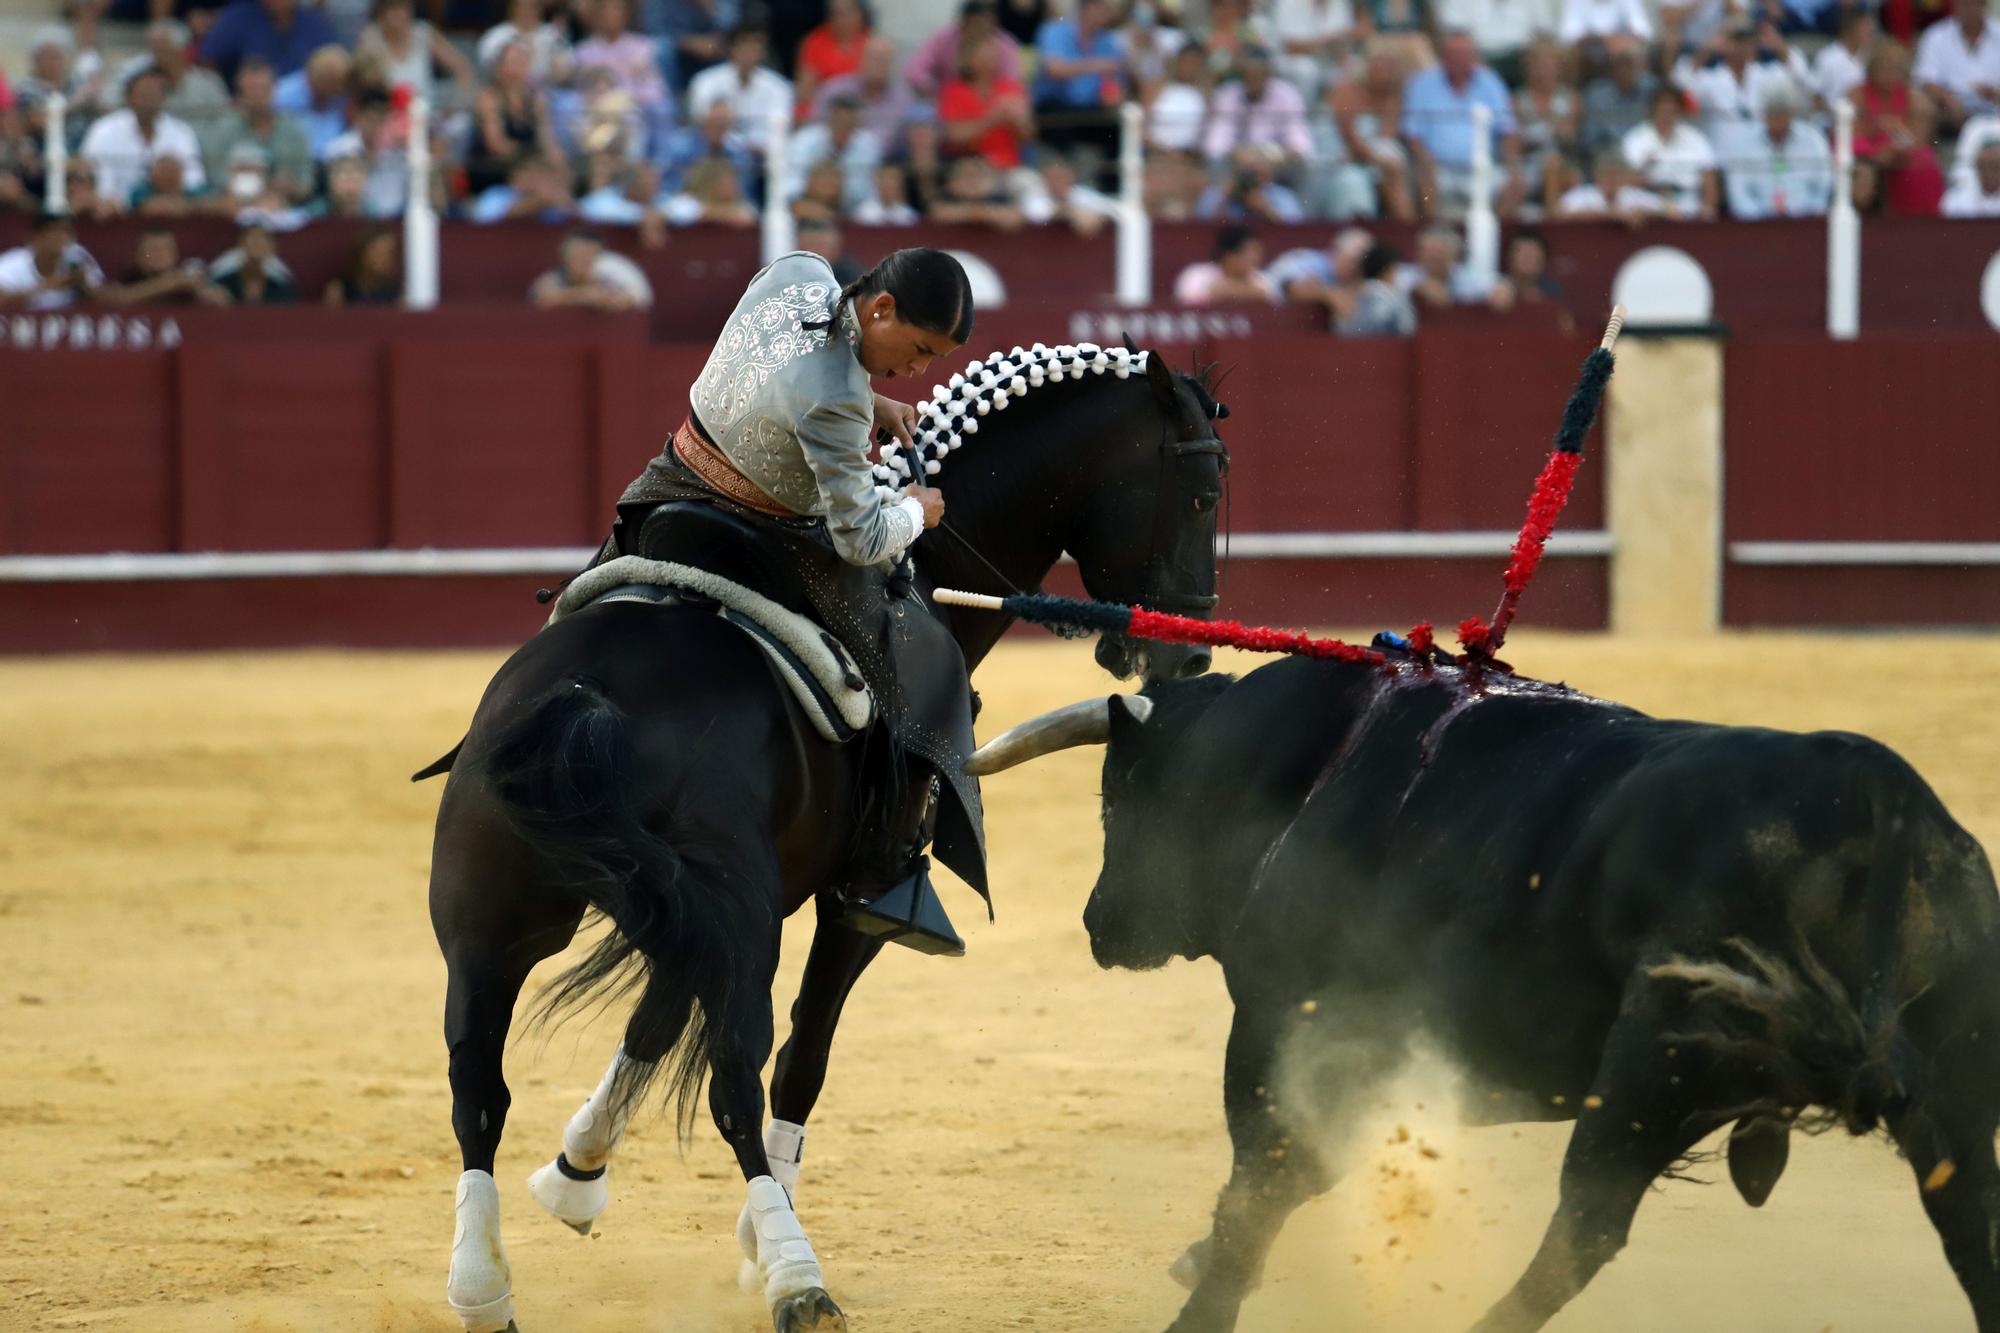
[1128, 716]
[1160, 377]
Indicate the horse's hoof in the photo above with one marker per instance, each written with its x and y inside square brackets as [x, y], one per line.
[574, 1203]
[811, 1311]
[1187, 1269]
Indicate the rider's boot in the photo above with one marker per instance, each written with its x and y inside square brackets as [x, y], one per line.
[891, 896]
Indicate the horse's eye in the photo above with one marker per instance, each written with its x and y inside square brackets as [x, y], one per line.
[1204, 503]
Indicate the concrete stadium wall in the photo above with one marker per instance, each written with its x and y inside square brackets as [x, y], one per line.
[1374, 483]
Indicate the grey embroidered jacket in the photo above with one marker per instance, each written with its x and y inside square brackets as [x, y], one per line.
[791, 407]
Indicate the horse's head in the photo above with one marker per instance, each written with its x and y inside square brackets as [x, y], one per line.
[1148, 537]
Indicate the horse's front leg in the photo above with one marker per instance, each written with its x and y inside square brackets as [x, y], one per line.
[794, 1287]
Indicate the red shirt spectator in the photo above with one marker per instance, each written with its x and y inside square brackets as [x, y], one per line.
[831, 50]
[984, 112]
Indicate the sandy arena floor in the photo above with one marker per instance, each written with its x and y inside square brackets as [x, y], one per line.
[223, 1104]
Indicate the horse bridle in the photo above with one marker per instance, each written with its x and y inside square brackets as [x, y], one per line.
[1167, 500]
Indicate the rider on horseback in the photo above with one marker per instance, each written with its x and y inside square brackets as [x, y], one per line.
[778, 434]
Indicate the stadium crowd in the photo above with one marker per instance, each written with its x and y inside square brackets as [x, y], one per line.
[661, 113]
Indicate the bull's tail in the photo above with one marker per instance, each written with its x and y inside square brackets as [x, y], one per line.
[1821, 1059]
[567, 779]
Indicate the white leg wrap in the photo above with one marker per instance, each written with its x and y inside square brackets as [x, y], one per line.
[784, 1148]
[481, 1285]
[594, 1131]
[784, 1256]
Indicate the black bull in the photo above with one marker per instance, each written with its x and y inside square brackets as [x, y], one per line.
[1654, 928]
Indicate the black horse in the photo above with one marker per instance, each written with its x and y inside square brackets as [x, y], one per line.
[641, 760]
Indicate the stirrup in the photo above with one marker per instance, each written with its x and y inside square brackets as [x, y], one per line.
[908, 914]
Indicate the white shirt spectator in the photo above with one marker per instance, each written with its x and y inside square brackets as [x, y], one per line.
[1589, 201]
[813, 144]
[1836, 71]
[18, 275]
[1038, 206]
[1728, 104]
[1277, 119]
[873, 212]
[1500, 27]
[1978, 132]
[767, 96]
[388, 187]
[1944, 59]
[1177, 117]
[1789, 180]
[615, 270]
[1603, 18]
[1966, 200]
[549, 51]
[1674, 167]
[124, 155]
[1316, 21]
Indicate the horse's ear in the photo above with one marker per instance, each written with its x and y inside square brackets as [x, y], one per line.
[1130, 346]
[1161, 378]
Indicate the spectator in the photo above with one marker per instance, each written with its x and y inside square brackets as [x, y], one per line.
[631, 57]
[1022, 19]
[820, 198]
[1617, 23]
[158, 276]
[974, 194]
[1526, 280]
[1785, 172]
[1175, 184]
[1233, 29]
[1965, 154]
[1438, 278]
[1311, 37]
[1893, 122]
[711, 191]
[411, 50]
[536, 189]
[551, 60]
[588, 277]
[1841, 65]
[84, 201]
[315, 96]
[1548, 114]
[1730, 80]
[282, 31]
[164, 193]
[841, 140]
[1373, 175]
[1379, 308]
[758, 97]
[694, 34]
[346, 190]
[53, 67]
[124, 143]
[712, 136]
[833, 50]
[1250, 192]
[1233, 273]
[1059, 196]
[885, 100]
[1617, 102]
[923, 162]
[606, 120]
[1674, 158]
[374, 143]
[243, 183]
[1437, 123]
[51, 271]
[824, 239]
[510, 120]
[1259, 110]
[21, 166]
[1615, 192]
[1079, 81]
[984, 113]
[1150, 48]
[194, 94]
[256, 122]
[620, 192]
[1503, 30]
[1307, 276]
[1178, 112]
[1958, 64]
[888, 201]
[252, 273]
[1978, 197]
[943, 53]
[374, 272]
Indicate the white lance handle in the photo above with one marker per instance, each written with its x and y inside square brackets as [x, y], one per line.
[984, 601]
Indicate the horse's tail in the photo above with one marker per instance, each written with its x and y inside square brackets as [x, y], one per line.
[568, 782]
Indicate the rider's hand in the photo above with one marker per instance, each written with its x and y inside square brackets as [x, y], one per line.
[896, 418]
[932, 499]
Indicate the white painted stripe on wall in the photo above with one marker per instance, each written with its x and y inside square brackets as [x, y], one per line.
[556, 560]
[1865, 553]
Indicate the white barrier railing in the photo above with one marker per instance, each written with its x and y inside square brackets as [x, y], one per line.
[420, 219]
[55, 152]
[1843, 233]
[780, 236]
[1135, 229]
[1482, 225]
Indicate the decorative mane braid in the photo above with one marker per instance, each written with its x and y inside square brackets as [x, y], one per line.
[955, 407]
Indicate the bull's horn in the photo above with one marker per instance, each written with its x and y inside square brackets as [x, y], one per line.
[1085, 723]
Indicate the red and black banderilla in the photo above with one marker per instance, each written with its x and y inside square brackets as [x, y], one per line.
[1479, 639]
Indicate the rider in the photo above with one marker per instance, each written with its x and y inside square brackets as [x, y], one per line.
[780, 423]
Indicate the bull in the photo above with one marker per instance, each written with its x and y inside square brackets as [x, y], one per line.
[1652, 928]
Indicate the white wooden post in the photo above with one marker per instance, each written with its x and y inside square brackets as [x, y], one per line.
[780, 235]
[1843, 233]
[1135, 229]
[1482, 227]
[55, 151]
[420, 220]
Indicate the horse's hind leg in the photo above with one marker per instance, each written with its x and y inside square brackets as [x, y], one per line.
[573, 1187]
